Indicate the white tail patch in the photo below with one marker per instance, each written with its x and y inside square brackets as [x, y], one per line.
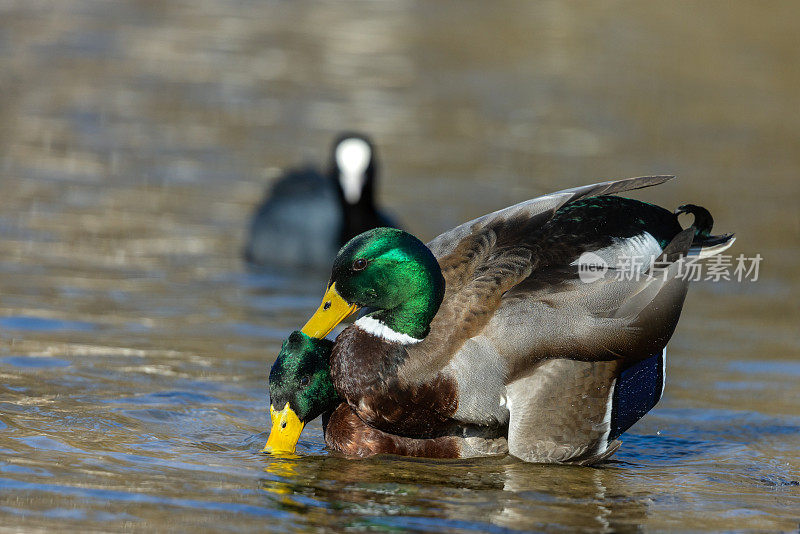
[352, 158]
[707, 252]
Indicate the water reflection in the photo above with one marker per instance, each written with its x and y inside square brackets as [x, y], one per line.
[395, 492]
[135, 138]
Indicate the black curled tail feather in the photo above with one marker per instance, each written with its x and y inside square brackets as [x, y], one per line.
[703, 221]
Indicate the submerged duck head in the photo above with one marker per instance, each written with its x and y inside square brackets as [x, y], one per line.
[389, 271]
[300, 389]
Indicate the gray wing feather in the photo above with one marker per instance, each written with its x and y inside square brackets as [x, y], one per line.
[483, 259]
[562, 412]
[445, 243]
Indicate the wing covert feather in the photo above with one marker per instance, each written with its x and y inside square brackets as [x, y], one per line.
[483, 259]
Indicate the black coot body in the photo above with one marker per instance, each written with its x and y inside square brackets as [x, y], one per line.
[308, 215]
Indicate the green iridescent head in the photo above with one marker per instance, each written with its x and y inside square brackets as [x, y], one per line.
[301, 377]
[393, 273]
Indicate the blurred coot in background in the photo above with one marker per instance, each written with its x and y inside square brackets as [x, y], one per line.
[308, 214]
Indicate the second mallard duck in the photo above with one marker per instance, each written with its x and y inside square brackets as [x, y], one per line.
[490, 332]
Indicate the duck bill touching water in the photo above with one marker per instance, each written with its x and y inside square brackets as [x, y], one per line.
[491, 339]
[300, 389]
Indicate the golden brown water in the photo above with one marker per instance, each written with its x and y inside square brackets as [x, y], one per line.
[135, 137]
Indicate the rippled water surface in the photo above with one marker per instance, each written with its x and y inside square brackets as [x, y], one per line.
[135, 138]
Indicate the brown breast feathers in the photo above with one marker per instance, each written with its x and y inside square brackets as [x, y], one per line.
[364, 371]
[348, 434]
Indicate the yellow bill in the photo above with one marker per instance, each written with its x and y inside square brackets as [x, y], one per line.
[286, 429]
[333, 310]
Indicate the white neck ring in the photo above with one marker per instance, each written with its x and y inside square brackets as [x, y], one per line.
[376, 328]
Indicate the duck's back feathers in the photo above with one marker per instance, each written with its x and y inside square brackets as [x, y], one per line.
[485, 258]
[624, 315]
[445, 243]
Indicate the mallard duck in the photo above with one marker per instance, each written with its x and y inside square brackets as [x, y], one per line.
[491, 332]
[300, 382]
[307, 216]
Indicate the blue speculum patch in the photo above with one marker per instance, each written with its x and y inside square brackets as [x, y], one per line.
[638, 389]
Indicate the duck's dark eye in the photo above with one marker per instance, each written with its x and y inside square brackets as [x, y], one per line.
[360, 264]
[304, 381]
[327, 306]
